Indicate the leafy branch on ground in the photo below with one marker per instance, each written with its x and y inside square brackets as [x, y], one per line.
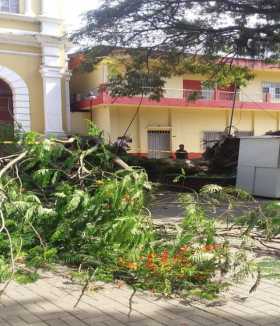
[68, 202]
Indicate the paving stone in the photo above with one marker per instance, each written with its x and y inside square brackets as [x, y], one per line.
[29, 318]
[50, 302]
[56, 322]
[72, 321]
[145, 323]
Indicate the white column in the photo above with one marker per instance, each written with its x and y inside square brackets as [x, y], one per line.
[67, 102]
[52, 88]
[52, 73]
[50, 8]
[28, 8]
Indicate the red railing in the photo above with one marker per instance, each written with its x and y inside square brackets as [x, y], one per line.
[206, 98]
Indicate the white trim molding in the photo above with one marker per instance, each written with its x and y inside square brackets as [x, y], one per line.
[18, 17]
[25, 54]
[67, 77]
[21, 100]
[52, 87]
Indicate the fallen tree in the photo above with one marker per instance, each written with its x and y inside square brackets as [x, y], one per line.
[76, 203]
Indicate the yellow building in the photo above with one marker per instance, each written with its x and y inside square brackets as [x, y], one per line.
[34, 76]
[160, 127]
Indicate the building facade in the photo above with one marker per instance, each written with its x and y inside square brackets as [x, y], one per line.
[34, 76]
[160, 127]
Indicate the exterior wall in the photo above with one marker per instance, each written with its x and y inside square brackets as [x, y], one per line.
[265, 121]
[101, 117]
[186, 126]
[243, 120]
[80, 122]
[20, 25]
[253, 91]
[187, 123]
[28, 68]
[31, 46]
[83, 83]
[151, 118]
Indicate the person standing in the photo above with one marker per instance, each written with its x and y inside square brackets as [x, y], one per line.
[181, 153]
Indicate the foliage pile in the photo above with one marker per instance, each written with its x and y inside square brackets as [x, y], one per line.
[67, 203]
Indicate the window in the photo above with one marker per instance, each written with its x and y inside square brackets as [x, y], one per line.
[271, 92]
[277, 92]
[9, 6]
[210, 138]
[266, 90]
[159, 144]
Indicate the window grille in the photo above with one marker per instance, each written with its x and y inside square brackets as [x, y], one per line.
[159, 144]
[271, 92]
[210, 138]
[9, 6]
[243, 133]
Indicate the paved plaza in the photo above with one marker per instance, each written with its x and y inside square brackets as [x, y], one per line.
[51, 302]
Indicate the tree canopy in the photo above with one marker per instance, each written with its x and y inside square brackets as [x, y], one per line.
[238, 27]
[191, 35]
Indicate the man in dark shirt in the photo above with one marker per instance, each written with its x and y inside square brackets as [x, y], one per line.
[181, 153]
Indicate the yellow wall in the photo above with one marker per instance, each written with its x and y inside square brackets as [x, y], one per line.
[253, 91]
[28, 67]
[120, 119]
[187, 125]
[265, 121]
[82, 83]
[20, 25]
[20, 48]
[101, 117]
[242, 121]
[80, 122]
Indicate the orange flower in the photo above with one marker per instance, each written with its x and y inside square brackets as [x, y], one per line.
[150, 262]
[164, 257]
[211, 247]
[132, 266]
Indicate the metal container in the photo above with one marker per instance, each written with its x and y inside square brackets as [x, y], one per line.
[259, 166]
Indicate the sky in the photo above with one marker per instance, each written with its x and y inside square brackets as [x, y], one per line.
[75, 8]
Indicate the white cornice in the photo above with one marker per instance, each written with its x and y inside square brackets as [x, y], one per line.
[28, 38]
[29, 18]
[18, 17]
[22, 53]
[50, 19]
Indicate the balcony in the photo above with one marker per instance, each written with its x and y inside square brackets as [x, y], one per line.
[184, 98]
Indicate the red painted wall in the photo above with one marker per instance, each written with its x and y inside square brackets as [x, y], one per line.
[192, 84]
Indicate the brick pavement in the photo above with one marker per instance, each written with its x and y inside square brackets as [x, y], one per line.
[50, 302]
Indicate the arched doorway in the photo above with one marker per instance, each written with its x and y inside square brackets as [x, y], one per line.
[19, 96]
[6, 110]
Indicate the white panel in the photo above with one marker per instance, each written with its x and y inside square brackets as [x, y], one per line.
[267, 183]
[245, 178]
[263, 152]
[21, 98]
[52, 101]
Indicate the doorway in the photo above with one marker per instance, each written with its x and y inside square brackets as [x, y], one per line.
[6, 111]
[159, 144]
